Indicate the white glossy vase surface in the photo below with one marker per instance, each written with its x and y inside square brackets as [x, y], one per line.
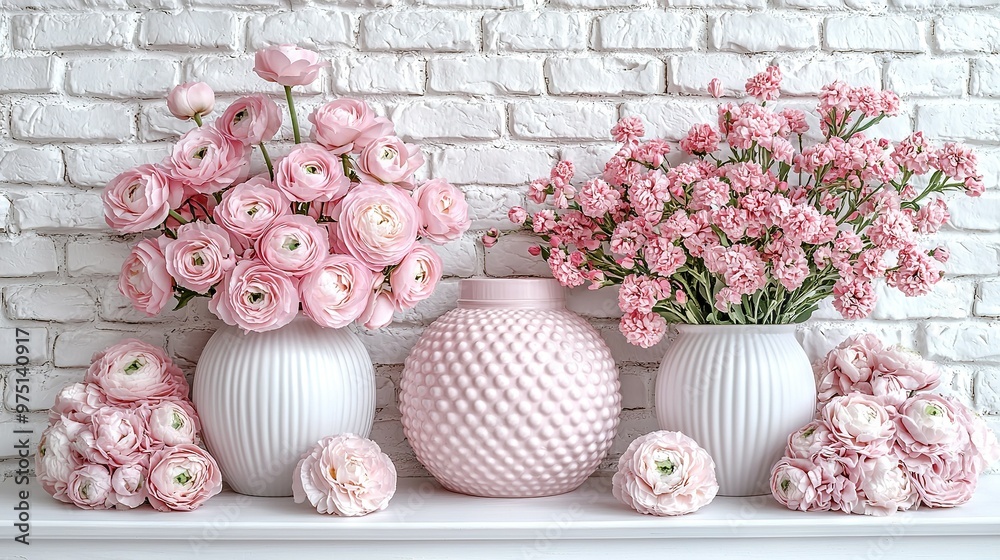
[510, 395]
[739, 391]
[266, 398]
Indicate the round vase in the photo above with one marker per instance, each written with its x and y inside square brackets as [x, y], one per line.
[266, 398]
[739, 391]
[510, 394]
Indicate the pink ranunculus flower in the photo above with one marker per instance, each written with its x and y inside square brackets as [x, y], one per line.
[137, 199]
[809, 440]
[89, 487]
[251, 207]
[794, 483]
[665, 473]
[77, 402]
[55, 458]
[378, 312]
[294, 244]
[173, 423]
[444, 214]
[347, 125]
[377, 224]
[886, 486]
[310, 173]
[860, 423]
[133, 371]
[288, 65]
[207, 161]
[849, 366]
[946, 481]
[144, 279]
[190, 99]
[200, 256]
[897, 374]
[182, 478]
[251, 120]
[929, 424]
[390, 160]
[415, 278]
[120, 436]
[255, 297]
[345, 475]
[336, 294]
[984, 446]
[129, 485]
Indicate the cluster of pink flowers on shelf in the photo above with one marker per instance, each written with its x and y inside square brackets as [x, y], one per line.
[882, 442]
[754, 227]
[126, 435]
[345, 475]
[665, 473]
[338, 226]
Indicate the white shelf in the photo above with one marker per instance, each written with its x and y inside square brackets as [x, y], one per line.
[425, 521]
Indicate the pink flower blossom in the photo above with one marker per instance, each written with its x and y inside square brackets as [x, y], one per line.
[517, 215]
[628, 130]
[643, 329]
[390, 160]
[860, 423]
[172, 423]
[764, 86]
[207, 161]
[255, 297]
[701, 139]
[791, 268]
[809, 440]
[639, 293]
[930, 425]
[55, 459]
[251, 207]
[665, 473]
[564, 270]
[144, 279]
[182, 478]
[415, 278]
[597, 198]
[945, 481]
[336, 294]
[190, 99]
[310, 173]
[715, 88]
[89, 487]
[956, 161]
[200, 256]
[492, 235]
[794, 484]
[252, 119]
[854, 298]
[120, 436]
[347, 125]
[378, 312]
[663, 257]
[138, 199]
[916, 272]
[294, 245]
[136, 371]
[886, 487]
[288, 65]
[345, 475]
[444, 214]
[377, 224]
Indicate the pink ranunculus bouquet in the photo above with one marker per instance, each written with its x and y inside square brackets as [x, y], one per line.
[755, 227]
[882, 442]
[126, 434]
[665, 473]
[345, 475]
[338, 228]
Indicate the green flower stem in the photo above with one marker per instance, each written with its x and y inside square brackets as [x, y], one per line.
[291, 113]
[178, 217]
[197, 118]
[267, 160]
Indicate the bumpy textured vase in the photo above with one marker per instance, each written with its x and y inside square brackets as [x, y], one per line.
[510, 394]
[739, 391]
[266, 398]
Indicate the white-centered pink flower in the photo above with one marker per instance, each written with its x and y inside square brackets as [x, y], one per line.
[929, 424]
[347, 125]
[377, 224]
[345, 475]
[138, 199]
[173, 423]
[207, 161]
[190, 99]
[415, 278]
[887, 487]
[665, 473]
[251, 207]
[129, 486]
[293, 244]
[200, 256]
[132, 371]
[89, 487]
[77, 402]
[55, 458]
[144, 278]
[444, 213]
[860, 423]
[390, 160]
[182, 478]
[288, 65]
[255, 297]
[336, 294]
[120, 436]
[251, 120]
[311, 173]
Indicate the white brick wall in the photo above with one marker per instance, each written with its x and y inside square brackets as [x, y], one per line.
[495, 91]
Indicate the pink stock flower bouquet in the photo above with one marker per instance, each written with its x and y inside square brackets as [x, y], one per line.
[338, 226]
[756, 228]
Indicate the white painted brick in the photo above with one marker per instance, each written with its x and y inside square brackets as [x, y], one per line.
[486, 75]
[976, 122]
[625, 353]
[987, 390]
[818, 338]
[605, 76]
[312, 29]
[535, 31]
[749, 4]
[36, 341]
[636, 387]
[634, 423]
[967, 32]
[488, 206]
[962, 342]
[32, 74]
[56, 32]
[459, 257]
[981, 213]
[649, 30]
[62, 303]
[549, 120]
[430, 31]
[156, 123]
[67, 4]
[509, 257]
[988, 298]
[41, 121]
[985, 81]
[601, 304]
[989, 166]
[117, 308]
[43, 386]
[76, 348]
[488, 165]
[600, 4]
[243, 5]
[448, 120]
[588, 160]
[691, 73]
[807, 76]
[121, 77]
[95, 165]
[671, 119]
[930, 4]
[188, 345]
[927, 77]
[948, 299]
[8, 439]
[35, 164]
[759, 32]
[62, 211]
[5, 213]
[27, 255]
[971, 255]
[862, 33]
[353, 75]
[473, 4]
[235, 75]
[390, 345]
[196, 29]
[832, 4]
[102, 257]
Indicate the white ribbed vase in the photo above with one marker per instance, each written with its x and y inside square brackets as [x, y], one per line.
[265, 398]
[739, 391]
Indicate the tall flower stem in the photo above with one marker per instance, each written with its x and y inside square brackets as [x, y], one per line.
[267, 160]
[197, 118]
[291, 113]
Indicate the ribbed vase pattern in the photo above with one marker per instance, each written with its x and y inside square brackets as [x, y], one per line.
[739, 391]
[265, 398]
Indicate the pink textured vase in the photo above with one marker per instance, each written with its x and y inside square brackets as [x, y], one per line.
[510, 394]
